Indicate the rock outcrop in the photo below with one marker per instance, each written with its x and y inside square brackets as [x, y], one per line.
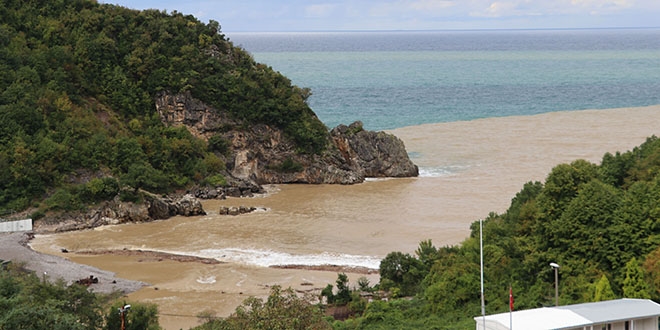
[264, 155]
[116, 212]
[163, 208]
[200, 119]
[373, 154]
[238, 210]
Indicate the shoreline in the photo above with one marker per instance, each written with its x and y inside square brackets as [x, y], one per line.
[500, 155]
[151, 256]
[15, 247]
[148, 255]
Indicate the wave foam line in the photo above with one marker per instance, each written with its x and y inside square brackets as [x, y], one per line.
[433, 172]
[267, 258]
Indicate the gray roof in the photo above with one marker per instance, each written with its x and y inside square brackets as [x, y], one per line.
[572, 316]
[615, 310]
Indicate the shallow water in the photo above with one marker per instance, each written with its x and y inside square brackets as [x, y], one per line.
[472, 168]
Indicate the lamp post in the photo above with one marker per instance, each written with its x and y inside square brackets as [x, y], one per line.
[556, 267]
[122, 314]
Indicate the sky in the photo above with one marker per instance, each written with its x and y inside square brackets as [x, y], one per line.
[368, 15]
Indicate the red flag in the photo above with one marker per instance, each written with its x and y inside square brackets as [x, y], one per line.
[510, 298]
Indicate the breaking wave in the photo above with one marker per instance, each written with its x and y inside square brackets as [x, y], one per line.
[266, 258]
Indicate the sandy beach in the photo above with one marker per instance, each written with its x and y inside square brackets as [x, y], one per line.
[14, 247]
[494, 157]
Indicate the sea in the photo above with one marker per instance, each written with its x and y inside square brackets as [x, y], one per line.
[480, 112]
[460, 101]
[393, 79]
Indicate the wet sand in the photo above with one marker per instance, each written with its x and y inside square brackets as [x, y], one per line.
[486, 162]
[14, 248]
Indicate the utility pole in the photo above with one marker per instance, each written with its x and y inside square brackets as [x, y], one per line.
[481, 257]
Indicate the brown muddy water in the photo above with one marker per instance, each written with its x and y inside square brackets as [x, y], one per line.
[468, 169]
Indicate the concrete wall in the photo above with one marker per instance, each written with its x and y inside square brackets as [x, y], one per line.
[18, 225]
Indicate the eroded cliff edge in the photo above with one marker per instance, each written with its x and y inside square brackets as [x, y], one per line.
[264, 155]
[254, 155]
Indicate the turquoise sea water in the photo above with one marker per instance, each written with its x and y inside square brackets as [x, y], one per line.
[395, 79]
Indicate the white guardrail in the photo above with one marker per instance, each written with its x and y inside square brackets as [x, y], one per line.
[15, 225]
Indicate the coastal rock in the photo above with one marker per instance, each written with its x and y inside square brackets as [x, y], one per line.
[235, 188]
[200, 119]
[163, 208]
[188, 206]
[237, 210]
[117, 212]
[262, 154]
[374, 154]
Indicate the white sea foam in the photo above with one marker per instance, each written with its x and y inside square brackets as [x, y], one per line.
[433, 172]
[206, 280]
[266, 258]
[376, 179]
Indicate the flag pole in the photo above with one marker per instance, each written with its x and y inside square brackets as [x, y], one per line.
[510, 308]
[481, 254]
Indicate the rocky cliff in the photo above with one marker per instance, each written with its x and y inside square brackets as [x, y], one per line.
[263, 154]
[255, 155]
[115, 212]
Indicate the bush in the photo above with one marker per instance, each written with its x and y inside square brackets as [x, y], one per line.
[218, 144]
[287, 166]
[217, 180]
[99, 189]
[63, 200]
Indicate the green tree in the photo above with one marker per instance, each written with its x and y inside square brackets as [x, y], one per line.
[403, 270]
[328, 293]
[283, 309]
[603, 290]
[427, 253]
[343, 296]
[139, 316]
[634, 285]
[28, 302]
[582, 231]
[144, 176]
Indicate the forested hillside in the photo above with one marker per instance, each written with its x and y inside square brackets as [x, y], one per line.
[77, 115]
[600, 223]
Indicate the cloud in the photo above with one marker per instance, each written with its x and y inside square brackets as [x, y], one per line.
[292, 15]
[499, 8]
[320, 10]
[596, 7]
[513, 8]
[431, 5]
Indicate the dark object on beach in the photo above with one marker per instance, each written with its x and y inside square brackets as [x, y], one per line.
[65, 251]
[88, 280]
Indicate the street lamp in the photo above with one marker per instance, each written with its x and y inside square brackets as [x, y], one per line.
[556, 267]
[122, 314]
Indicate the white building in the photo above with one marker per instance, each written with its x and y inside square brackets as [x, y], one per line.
[621, 314]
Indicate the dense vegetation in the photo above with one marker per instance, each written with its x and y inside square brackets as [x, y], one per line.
[77, 116]
[600, 223]
[78, 125]
[32, 303]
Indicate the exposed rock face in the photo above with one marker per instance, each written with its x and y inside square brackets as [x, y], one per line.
[163, 208]
[237, 210]
[236, 188]
[373, 154]
[200, 119]
[116, 212]
[263, 155]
